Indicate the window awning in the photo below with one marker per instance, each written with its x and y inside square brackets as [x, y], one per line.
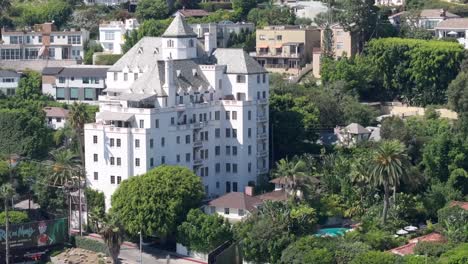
[263, 46]
[279, 46]
[112, 116]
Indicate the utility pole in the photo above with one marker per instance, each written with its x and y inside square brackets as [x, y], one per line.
[7, 239]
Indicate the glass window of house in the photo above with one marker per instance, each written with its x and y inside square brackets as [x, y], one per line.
[109, 35]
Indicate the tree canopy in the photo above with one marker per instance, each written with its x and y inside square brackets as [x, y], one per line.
[157, 201]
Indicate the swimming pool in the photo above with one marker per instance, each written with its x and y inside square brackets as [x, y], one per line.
[335, 231]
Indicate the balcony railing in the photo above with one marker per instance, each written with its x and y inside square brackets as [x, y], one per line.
[262, 118]
[197, 144]
[281, 55]
[197, 162]
[262, 101]
[262, 171]
[262, 153]
[261, 135]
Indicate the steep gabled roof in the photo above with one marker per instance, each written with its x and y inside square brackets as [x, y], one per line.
[236, 200]
[237, 61]
[145, 53]
[179, 29]
[355, 128]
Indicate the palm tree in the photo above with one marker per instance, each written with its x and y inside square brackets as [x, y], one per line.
[77, 118]
[291, 173]
[112, 233]
[64, 169]
[389, 167]
[6, 192]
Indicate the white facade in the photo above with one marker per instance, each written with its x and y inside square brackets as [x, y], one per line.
[112, 34]
[8, 82]
[390, 2]
[221, 31]
[168, 103]
[43, 43]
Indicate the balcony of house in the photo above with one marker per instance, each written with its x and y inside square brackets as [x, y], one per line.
[197, 143]
[262, 171]
[197, 162]
[262, 153]
[262, 118]
[261, 135]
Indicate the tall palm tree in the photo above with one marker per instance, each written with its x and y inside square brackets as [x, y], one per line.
[388, 168]
[78, 117]
[64, 169]
[112, 233]
[291, 173]
[6, 192]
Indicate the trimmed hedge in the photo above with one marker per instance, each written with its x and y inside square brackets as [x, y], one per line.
[15, 217]
[211, 7]
[91, 244]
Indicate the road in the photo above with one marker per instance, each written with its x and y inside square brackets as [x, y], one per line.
[130, 254]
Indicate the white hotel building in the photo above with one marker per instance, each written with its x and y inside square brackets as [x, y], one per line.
[172, 101]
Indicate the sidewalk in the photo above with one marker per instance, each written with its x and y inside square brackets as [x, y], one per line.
[130, 254]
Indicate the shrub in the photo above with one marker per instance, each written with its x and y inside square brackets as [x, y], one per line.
[375, 257]
[15, 217]
[379, 240]
[458, 255]
[412, 259]
[107, 59]
[91, 244]
[454, 221]
[432, 249]
[347, 251]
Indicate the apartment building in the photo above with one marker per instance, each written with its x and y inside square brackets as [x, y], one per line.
[344, 44]
[83, 83]
[286, 47]
[9, 81]
[222, 31]
[172, 101]
[112, 34]
[41, 45]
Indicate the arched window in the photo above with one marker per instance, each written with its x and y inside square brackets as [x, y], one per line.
[190, 43]
[170, 43]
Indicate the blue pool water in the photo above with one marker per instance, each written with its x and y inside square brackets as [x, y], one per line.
[336, 231]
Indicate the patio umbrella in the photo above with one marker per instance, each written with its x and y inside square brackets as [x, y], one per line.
[452, 33]
[402, 232]
[410, 228]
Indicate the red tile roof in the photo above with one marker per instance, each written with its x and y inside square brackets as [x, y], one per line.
[463, 205]
[409, 248]
[193, 12]
[274, 196]
[237, 200]
[56, 112]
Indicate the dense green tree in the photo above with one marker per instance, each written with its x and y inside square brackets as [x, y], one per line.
[78, 117]
[29, 13]
[202, 232]
[271, 16]
[23, 134]
[157, 201]
[152, 9]
[388, 169]
[15, 217]
[375, 257]
[458, 93]
[64, 170]
[243, 7]
[394, 128]
[30, 86]
[454, 221]
[90, 50]
[436, 158]
[359, 17]
[266, 234]
[309, 249]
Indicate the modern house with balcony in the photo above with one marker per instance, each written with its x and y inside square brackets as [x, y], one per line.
[9, 81]
[285, 48]
[426, 18]
[171, 100]
[112, 34]
[84, 83]
[41, 45]
[454, 28]
[222, 31]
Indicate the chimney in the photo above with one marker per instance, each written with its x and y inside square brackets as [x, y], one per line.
[169, 85]
[249, 190]
[210, 42]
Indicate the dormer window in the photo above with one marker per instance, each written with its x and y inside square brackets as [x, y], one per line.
[170, 43]
[179, 73]
[140, 50]
[191, 43]
[156, 51]
[194, 72]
